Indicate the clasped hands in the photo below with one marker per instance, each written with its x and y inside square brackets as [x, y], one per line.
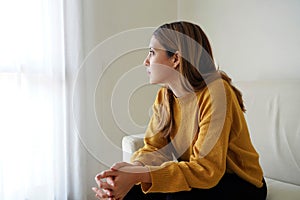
[116, 182]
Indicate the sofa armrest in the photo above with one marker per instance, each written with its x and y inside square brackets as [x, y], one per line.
[130, 144]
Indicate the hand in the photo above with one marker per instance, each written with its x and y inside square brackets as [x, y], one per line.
[105, 188]
[123, 181]
[120, 179]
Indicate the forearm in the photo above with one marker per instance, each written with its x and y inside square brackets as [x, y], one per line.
[145, 176]
[140, 173]
[136, 172]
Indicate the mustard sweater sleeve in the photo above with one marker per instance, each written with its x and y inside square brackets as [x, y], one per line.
[207, 157]
[156, 149]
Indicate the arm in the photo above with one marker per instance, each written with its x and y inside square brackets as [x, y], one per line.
[207, 155]
[198, 172]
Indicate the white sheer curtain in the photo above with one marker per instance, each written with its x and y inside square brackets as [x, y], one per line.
[32, 100]
[81, 166]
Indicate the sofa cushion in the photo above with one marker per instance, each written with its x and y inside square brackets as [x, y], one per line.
[273, 116]
[278, 190]
[130, 144]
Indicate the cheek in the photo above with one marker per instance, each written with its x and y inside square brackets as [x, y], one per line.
[161, 73]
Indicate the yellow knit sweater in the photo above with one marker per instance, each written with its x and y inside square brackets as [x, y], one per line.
[210, 138]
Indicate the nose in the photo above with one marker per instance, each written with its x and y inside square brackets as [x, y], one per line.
[146, 61]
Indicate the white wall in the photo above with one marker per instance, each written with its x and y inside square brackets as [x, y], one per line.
[103, 19]
[251, 39]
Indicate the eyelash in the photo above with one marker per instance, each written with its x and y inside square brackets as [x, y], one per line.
[151, 52]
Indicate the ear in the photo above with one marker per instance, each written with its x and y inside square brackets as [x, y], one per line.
[176, 58]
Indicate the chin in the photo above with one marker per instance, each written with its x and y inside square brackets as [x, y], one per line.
[153, 82]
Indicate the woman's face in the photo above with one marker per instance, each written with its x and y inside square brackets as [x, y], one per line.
[160, 67]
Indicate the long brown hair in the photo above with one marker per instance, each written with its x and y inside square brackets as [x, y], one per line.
[197, 65]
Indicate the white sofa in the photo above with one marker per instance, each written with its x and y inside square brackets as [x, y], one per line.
[273, 116]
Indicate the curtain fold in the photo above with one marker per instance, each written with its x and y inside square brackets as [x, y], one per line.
[82, 165]
[77, 168]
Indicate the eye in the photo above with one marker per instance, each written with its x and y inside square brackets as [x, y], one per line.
[151, 52]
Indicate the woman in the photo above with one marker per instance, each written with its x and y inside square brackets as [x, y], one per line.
[197, 142]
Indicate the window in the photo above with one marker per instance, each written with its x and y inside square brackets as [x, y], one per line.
[31, 99]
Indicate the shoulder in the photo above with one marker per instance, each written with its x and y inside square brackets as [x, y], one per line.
[218, 85]
[216, 90]
[217, 97]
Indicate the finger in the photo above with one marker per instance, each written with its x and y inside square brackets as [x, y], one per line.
[103, 176]
[98, 179]
[100, 194]
[108, 173]
[109, 193]
[110, 181]
[105, 185]
[119, 165]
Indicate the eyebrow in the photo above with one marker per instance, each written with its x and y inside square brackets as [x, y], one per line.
[153, 48]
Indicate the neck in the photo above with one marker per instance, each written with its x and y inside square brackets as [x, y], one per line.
[179, 85]
[178, 89]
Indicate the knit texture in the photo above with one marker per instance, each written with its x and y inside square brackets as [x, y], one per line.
[210, 138]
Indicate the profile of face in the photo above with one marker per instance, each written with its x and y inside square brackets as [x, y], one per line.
[160, 67]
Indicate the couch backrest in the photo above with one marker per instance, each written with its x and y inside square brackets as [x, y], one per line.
[273, 116]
